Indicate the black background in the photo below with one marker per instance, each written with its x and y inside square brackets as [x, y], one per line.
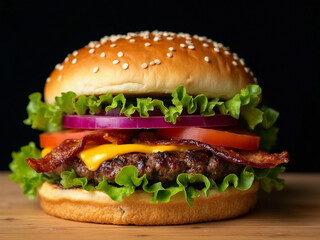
[278, 40]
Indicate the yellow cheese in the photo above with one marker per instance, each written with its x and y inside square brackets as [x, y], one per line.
[45, 151]
[95, 156]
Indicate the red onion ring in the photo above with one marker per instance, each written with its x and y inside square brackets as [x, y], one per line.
[116, 122]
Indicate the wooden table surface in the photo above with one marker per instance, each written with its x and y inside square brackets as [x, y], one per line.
[293, 213]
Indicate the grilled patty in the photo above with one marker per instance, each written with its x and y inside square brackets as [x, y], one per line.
[160, 166]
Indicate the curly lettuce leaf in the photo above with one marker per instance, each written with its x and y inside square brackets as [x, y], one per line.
[47, 117]
[268, 178]
[266, 130]
[43, 116]
[244, 104]
[128, 181]
[22, 174]
[69, 179]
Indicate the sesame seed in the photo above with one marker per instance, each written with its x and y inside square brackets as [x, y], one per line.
[227, 52]
[125, 66]
[113, 45]
[191, 47]
[115, 61]
[60, 67]
[169, 54]
[48, 79]
[242, 61]
[57, 66]
[66, 59]
[103, 54]
[156, 39]
[255, 80]
[95, 69]
[132, 40]
[235, 63]
[251, 73]
[189, 42]
[171, 48]
[103, 40]
[246, 69]
[74, 61]
[182, 45]
[170, 38]
[91, 44]
[98, 45]
[75, 53]
[92, 50]
[205, 44]
[152, 63]
[146, 37]
[207, 59]
[144, 65]
[157, 61]
[235, 56]
[216, 49]
[147, 44]
[120, 54]
[60, 77]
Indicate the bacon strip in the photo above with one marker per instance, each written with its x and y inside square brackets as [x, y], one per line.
[66, 151]
[117, 138]
[257, 159]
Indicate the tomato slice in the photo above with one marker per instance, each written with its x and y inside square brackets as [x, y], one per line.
[53, 139]
[238, 139]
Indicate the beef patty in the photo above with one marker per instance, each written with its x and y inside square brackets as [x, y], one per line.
[160, 166]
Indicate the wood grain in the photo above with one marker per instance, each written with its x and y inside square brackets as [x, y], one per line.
[293, 213]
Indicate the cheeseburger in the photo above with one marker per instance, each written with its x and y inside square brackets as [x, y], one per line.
[150, 128]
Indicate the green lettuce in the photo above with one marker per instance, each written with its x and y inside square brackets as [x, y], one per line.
[28, 178]
[128, 181]
[48, 117]
[266, 130]
[43, 116]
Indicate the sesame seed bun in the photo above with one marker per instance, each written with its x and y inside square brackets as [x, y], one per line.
[150, 64]
[94, 206]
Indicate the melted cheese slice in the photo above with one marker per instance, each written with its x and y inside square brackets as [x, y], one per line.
[93, 157]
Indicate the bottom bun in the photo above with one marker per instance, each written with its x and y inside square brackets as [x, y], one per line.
[95, 206]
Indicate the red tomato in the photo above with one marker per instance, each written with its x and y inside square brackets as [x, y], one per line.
[53, 139]
[238, 139]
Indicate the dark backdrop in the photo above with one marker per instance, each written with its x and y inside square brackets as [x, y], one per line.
[278, 40]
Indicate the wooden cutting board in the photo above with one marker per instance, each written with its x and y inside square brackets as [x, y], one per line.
[293, 213]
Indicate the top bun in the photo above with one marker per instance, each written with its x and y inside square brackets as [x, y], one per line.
[150, 64]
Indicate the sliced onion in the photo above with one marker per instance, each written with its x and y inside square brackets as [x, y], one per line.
[116, 122]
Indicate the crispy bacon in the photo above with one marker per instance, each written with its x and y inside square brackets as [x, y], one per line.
[66, 151]
[257, 159]
[117, 138]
